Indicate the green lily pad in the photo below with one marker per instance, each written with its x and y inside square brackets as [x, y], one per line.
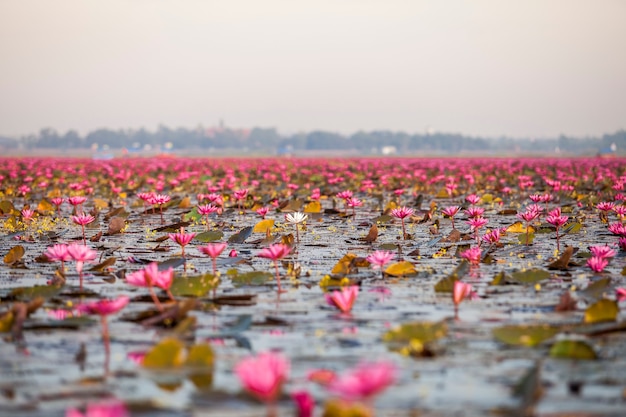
[252, 278]
[28, 293]
[526, 239]
[572, 349]
[603, 310]
[524, 335]
[241, 236]
[447, 284]
[529, 276]
[572, 227]
[192, 216]
[383, 219]
[166, 354]
[425, 332]
[195, 286]
[595, 290]
[200, 356]
[210, 236]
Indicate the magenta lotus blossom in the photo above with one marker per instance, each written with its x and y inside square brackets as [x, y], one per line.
[378, 259]
[597, 264]
[344, 299]
[263, 212]
[622, 243]
[305, 403]
[345, 195]
[451, 211]
[617, 229]
[353, 202]
[460, 291]
[27, 215]
[83, 219]
[81, 254]
[402, 213]
[263, 375]
[275, 252]
[475, 224]
[57, 201]
[620, 210]
[159, 199]
[605, 206]
[103, 308]
[58, 253]
[364, 382]
[206, 210]
[603, 251]
[492, 237]
[620, 294]
[151, 277]
[113, 409]
[240, 195]
[77, 202]
[557, 220]
[182, 238]
[473, 212]
[213, 250]
[473, 199]
[528, 216]
[472, 255]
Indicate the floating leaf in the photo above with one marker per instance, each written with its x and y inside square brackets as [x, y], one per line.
[447, 284]
[526, 239]
[401, 269]
[263, 226]
[29, 293]
[6, 207]
[44, 207]
[103, 265]
[372, 235]
[344, 266]
[171, 228]
[6, 322]
[200, 356]
[171, 263]
[185, 203]
[499, 279]
[425, 332]
[251, 278]
[236, 300]
[100, 203]
[313, 207]
[563, 261]
[168, 353]
[529, 276]
[573, 227]
[595, 290]
[486, 198]
[603, 310]
[210, 236]
[293, 205]
[15, 254]
[519, 227]
[525, 335]
[241, 236]
[385, 218]
[196, 286]
[572, 349]
[192, 216]
[116, 225]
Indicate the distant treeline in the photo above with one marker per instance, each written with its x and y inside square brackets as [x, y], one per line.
[269, 140]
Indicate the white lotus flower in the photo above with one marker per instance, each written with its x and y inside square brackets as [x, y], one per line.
[295, 218]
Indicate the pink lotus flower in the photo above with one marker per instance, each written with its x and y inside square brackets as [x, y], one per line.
[353, 202]
[473, 255]
[473, 199]
[344, 194]
[344, 299]
[378, 259]
[451, 211]
[240, 195]
[58, 253]
[622, 243]
[151, 276]
[27, 215]
[104, 307]
[555, 219]
[263, 375]
[100, 410]
[83, 219]
[597, 264]
[159, 199]
[206, 210]
[275, 252]
[364, 382]
[617, 229]
[81, 254]
[620, 294]
[473, 212]
[528, 216]
[305, 403]
[605, 206]
[77, 201]
[402, 213]
[492, 237]
[263, 212]
[475, 224]
[213, 250]
[460, 291]
[182, 238]
[603, 251]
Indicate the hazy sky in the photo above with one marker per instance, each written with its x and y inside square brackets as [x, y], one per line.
[478, 67]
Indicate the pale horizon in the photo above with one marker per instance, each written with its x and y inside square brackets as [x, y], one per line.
[531, 69]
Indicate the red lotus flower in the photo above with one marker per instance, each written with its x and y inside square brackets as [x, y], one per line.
[83, 219]
[206, 210]
[81, 254]
[344, 299]
[213, 250]
[473, 255]
[364, 382]
[151, 276]
[603, 251]
[451, 211]
[275, 252]
[263, 375]
[182, 238]
[597, 264]
[402, 213]
[473, 199]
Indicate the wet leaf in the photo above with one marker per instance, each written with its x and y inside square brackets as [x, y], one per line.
[15, 254]
[526, 239]
[525, 335]
[529, 389]
[573, 227]
[263, 226]
[345, 265]
[372, 235]
[196, 286]
[385, 218]
[45, 207]
[313, 207]
[603, 310]
[446, 284]
[453, 237]
[166, 354]
[107, 263]
[100, 204]
[200, 356]
[6, 207]
[288, 240]
[253, 278]
[210, 236]
[28, 293]
[519, 227]
[595, 290]
[192, 216]
[236, 300]
[184, 203]
[171, 228]
[425, 332]
[563, 261]
[293, 205]
[529, 276]
[116, 225]
[171, 263]
[572, 349]
[499, 279]
[6, 322]
[401, 269]
[241, 236]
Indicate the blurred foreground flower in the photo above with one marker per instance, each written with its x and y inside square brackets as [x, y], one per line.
[263, 376]
[343, 299]
[113, 409]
